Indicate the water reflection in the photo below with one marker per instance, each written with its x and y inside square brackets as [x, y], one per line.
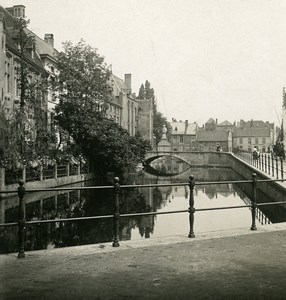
[55, 205]
[167, 165]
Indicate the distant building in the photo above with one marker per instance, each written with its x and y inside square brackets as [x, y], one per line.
[209, 140]
[183, 136]
[225, 125]
[210, 124]
[246, 138]
[134, 115]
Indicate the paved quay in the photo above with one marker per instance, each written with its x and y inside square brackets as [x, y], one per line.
[238, 264]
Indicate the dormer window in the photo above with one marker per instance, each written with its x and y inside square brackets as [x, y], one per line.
[176, 129]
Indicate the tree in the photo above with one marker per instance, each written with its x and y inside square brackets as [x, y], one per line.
[84, 90]
[141, 94]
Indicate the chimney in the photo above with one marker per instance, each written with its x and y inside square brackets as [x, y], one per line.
[49, 39]
[216, 121]
[186, 121]
[17, 11]
[127, 79]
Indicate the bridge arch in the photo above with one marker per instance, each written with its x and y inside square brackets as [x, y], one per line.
[151, 156]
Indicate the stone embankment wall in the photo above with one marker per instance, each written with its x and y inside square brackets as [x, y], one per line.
[41, 184]
[277, 190]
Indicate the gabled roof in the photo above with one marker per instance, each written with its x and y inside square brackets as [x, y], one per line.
[11, 34]
[191, 129]
[225, 123]
[178, 127]
[212, 136]
[183, 128]
[119, 82]
[210, 121]
[42, 47]
[252, 132]
[257, 124]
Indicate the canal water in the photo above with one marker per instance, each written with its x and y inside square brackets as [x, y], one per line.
[55, 205]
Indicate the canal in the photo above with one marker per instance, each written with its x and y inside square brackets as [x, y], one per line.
[55, 205]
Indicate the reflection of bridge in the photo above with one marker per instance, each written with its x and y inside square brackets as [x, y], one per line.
[192, 158]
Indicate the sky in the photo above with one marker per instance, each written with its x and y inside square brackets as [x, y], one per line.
[204, 58]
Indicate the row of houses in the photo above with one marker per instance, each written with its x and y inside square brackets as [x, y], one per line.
[41, 58]
[228, 136]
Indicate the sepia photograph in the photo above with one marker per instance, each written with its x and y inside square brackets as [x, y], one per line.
[142, 149]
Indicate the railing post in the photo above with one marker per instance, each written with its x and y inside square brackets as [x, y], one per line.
[277, 168]
[116, 213]
[21, 220]
[24, 172]
[55, 171]
[2, 179]
[269, 164]
[68, 169]
[272, 159]
[281, 160]
[191, 206]
[262, 162]
[253, 201]
[41, 172]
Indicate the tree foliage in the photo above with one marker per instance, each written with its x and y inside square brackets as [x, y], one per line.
[84, 90]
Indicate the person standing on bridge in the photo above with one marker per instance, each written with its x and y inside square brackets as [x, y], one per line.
[255, 153]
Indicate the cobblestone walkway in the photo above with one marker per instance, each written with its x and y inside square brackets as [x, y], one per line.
[239, 264]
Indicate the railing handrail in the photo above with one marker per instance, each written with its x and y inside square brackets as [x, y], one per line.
[140, 185]
[116, 188]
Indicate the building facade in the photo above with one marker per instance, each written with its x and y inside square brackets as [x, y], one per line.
[209, 140]
[183, 136]
[17, 57]
[125, 107]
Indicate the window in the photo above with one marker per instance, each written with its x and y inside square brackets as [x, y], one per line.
[256, 140]
[263, 140]
[241, 140]
[249, 140]
[181, 139]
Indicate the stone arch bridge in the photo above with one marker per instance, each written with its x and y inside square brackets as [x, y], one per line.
[194, 158]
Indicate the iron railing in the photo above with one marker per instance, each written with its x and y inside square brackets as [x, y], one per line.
[21, 222]
[268, 163]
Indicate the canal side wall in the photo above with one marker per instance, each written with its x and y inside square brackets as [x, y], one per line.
[276, 190]
[46, 183]
[208, 160]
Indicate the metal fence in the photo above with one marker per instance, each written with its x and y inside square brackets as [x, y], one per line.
[266, 162]
[252, 205]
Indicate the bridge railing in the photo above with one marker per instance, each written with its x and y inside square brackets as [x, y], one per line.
[268, 163]
[21, 222]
